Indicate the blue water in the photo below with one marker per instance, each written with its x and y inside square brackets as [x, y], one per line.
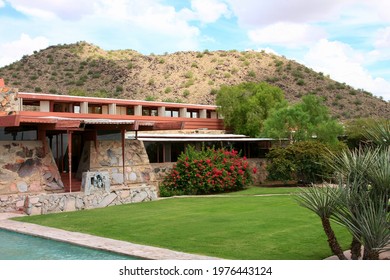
[17, 246]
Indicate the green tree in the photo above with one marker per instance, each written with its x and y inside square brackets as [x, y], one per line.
[364, 130]
[303, 121]
[246, 106]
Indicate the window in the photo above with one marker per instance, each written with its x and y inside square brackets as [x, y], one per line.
[94, 109]
[172, 113]
[149, 111]
[192, 114]
[154, 151]
[130, 110]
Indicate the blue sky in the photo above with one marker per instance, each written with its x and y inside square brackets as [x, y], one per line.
[346, 39]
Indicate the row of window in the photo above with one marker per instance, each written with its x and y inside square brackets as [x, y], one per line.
[121, 110]
[159, 152]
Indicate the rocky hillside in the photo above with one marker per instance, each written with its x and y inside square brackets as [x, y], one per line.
[191, 77]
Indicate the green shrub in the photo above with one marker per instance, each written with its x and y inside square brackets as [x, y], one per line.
[252, 74]
[119, 89]
[150, 98]
[186, 93]
[205, 172]
[189, 83]
[213, 91]
[305, 162]
[189, 75]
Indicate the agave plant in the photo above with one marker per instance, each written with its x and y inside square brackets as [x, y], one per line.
[323, 203]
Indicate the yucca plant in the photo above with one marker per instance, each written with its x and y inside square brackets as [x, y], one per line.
[379, 133]
[367, 219]
[323, 202]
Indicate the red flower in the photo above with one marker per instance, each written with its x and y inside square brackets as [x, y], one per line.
[254, 170]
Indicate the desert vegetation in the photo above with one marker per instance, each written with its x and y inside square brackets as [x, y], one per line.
[64, 69]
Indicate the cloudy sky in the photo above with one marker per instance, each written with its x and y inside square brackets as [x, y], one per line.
[347, 39]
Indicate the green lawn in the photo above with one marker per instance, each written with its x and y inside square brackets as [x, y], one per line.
[266, 190]
[239, 227]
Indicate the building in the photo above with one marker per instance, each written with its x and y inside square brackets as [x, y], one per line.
[58, 143]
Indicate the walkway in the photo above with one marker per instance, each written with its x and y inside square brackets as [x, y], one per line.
[96, 242]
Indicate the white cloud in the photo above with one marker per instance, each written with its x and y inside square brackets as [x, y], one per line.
[286, 34]
[267, 50]
[380, 8]
[24, 45]
[48, 9]
[263, 12]
[208, 11]
[2, 4]
[383, 38]
[344, 64]
[147, 26]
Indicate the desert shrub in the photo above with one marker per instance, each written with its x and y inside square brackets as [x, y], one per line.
[305, 161]
[206, 171]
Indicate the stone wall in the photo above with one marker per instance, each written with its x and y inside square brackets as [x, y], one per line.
[261, 174]
[8, 101]
[107, 156]
[36, 204]
[25, 168]
[161, 169]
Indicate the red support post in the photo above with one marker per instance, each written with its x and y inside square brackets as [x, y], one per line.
[123, 134]
[70, 158]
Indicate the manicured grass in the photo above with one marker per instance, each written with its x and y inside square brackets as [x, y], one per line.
[266, 190]
[241, 227]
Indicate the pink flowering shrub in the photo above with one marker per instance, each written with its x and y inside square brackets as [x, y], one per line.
[207, 171]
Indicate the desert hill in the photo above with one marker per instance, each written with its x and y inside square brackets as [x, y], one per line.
[190, 77]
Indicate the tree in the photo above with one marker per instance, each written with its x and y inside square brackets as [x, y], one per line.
[303, 121]
[362, 131]
[246, 106]
[323, 203]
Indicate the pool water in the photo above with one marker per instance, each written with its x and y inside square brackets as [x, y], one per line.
[18, 246]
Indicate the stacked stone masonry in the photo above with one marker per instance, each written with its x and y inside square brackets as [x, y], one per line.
[25, 168]
[36, 204]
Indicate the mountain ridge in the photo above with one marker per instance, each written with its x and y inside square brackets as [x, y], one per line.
[187, 76]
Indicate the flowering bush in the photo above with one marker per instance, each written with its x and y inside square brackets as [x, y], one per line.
[207, 171]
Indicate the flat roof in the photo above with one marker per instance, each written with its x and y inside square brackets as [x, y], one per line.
[177, 137]
[102, 100]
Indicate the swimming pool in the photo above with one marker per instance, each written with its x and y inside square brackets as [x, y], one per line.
[18, 246]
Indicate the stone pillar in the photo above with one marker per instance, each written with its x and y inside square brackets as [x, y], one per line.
[44, 106]
[183, 113]
[138, 110]
[161, 111]
[203, 114]
[214, 115]
[84, 107]
[112, 109]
